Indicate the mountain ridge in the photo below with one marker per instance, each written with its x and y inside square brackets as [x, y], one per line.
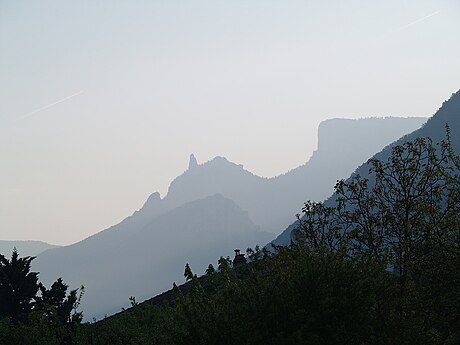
[294, 186]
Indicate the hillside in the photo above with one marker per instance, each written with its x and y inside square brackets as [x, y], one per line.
[148, 261]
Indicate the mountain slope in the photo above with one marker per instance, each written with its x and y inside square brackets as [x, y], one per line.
[448, 113]
[147, 262]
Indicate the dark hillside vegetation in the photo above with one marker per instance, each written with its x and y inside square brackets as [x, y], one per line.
[381, 267]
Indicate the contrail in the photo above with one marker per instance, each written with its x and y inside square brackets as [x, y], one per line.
[418, 20]
[52, 104]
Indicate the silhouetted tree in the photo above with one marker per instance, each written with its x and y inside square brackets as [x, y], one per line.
[59, 305]
[18, 286]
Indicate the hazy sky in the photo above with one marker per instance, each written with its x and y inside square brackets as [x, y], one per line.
[101, 102]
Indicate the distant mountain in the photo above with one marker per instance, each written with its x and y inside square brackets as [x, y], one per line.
[273, 202]
[148, 260]
[449, 114]
[25, 248]
[147, 251]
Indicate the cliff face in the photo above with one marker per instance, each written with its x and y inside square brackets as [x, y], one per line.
[346, 137]
[343, 144]
[449, 114]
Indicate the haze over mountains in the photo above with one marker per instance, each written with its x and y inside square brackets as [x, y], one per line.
[211, 209]
[448, 113]
[273, 202]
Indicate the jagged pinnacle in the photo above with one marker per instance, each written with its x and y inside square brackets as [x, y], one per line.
[192, 163]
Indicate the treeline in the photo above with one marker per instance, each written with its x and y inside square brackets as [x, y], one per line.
[379, 266]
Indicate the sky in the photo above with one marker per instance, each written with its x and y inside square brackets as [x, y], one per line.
[102, 102]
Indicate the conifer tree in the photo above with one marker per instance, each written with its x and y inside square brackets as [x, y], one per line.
[18, 286]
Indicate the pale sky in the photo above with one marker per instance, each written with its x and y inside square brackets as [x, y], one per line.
[102, 102]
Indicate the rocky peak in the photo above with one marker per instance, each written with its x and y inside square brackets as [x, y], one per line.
[193, 162]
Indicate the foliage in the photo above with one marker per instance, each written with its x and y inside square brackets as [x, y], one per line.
[404, 216]
[295, 297]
